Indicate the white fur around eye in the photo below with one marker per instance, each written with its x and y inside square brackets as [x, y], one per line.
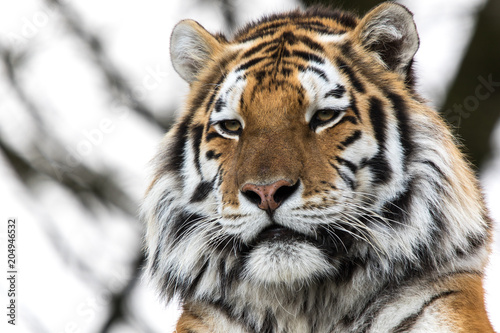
[327, 124]
[228, 99]
[318, 87]
[219, 127]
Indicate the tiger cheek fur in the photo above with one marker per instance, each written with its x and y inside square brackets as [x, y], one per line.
[308, 188]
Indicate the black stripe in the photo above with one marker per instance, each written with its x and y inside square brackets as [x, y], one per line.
[269, 63]
[216, 76]
[202, 191]
[315, 27]
[311, 44]
[228, 277]
[183, 223]
[214, 92]
[168, 280]
[230, 244]
[285, 71]
[202, 93]
[163, 233]
[378, 164]
[256, 48]
[343, 67]
[250, 63]
[287, 37]
[211, 100]
[156, 259]
[350, 139]
[298, 90]
[338, 92]
[197, 133]
[268, 29]
[346, 269]
[259, 76]
[312, 22]
[474, 242]
[219, 104]
[348, 180]
[212, 135]
[269, 324]
[223, 281]
[308, 56]
[427, 254]
[318, 71]
[405, 130]
[434, 167]
[380, 168]
[407, 323]
[353, 167]
[226, 309]
[190, 288]
[336, 244]
[176, 153]
[220, 174]
[275, 27]
[345, 19]
[354, 107]
[212, 155]
[375, 304]
[350, 119]
[280, 53]
[347, 51]
[242, 103]
[261, 33]
[438, 220]
[378, 120]
[398, 209]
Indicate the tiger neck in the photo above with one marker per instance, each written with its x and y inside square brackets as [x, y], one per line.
[323, 308]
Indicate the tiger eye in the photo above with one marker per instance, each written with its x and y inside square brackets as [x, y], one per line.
[231, 125]
[325, 115]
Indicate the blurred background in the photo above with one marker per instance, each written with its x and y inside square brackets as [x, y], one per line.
[86, 93]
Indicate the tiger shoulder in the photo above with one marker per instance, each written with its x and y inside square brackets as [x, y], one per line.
[307, 187]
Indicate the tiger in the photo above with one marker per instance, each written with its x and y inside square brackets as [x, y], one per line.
[307, 186]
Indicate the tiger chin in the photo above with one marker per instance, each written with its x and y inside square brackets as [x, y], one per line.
[306, 187]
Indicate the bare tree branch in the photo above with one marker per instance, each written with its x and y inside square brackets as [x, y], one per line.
[116, 80]
[48, 157]
[228, 12]
[118, 303]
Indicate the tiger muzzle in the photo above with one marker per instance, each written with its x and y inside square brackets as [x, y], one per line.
[270, 196]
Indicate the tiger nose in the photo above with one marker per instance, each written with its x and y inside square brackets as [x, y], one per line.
[269, 197]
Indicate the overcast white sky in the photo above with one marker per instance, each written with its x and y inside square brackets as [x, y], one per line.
[60, 75]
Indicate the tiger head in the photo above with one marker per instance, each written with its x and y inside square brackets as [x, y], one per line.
[304, 155]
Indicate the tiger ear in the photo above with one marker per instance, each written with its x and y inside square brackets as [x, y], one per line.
[191, 47]
[389, 31]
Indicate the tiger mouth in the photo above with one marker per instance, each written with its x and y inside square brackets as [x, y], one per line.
[334, 243]
[277, 233]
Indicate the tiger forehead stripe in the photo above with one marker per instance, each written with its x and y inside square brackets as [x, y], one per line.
[287, 37]
[319, 21]
[262, 56]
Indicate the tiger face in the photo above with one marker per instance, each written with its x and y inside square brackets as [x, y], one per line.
[286, 145]
[305, 157]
